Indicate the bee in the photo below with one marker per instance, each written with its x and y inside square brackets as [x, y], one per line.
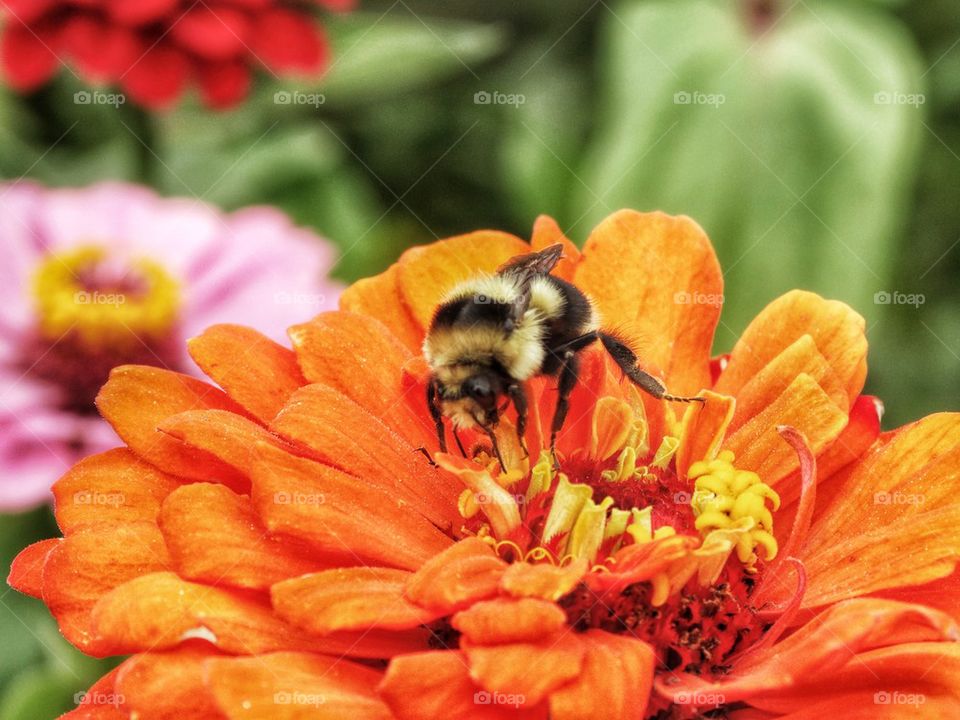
[491, 333]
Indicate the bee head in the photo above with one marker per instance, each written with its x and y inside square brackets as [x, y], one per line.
[474, 399]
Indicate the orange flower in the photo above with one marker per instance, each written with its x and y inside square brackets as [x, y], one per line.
[278, 549]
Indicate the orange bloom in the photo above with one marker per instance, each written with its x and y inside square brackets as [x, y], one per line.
[276, 547]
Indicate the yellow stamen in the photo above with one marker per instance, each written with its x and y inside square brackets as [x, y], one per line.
[668, 447]
[588, 531]
[541, 477]
[103, 317]
[726, 499]
[568, 501]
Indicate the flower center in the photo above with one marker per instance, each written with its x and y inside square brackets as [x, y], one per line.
[93, 314]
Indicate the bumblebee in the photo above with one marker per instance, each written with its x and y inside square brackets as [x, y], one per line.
[491, 333]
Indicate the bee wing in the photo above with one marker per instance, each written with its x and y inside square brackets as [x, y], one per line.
[525, 268]
[535, 263]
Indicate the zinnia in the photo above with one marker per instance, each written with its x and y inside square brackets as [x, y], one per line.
[278, 548]
[111, 274]
[153, 48]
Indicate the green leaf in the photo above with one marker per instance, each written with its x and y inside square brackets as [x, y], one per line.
[794, 145]
[382, 55]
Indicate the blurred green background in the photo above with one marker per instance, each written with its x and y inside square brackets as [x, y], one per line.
[817, 142]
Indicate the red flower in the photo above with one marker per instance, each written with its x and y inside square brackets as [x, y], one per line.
[153, 48]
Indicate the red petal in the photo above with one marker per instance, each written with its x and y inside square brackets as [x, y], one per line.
[27, 11]
[140, 12]
[27, 59]
[286, 40]
[100, 50]
[212, 34]
[157, 78]
[223, 85]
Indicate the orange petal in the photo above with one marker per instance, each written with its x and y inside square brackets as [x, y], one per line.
[803, 405]
[546, 581]
[614, 683]
[88, 564]
[349, 599]
[101, 701]
[428, 272]
[160, 611]
[430, 685]
[339, 514]
[837, 331]
[942, 594]
[859, 434]
[505, 620]
[703, 429]
[379, 297]
[828, 643]
[916, 680]
[137, 399]
[372, 378]
[111, 488]
[546, 232]
[167, 686]
[26, 571]
[214, 536]
[226, 436]
[900, 495]
[340, 433]
[253, 370]
[801, 357]
[531, 670]
[657, 276]
[464, 573]
[291, 686]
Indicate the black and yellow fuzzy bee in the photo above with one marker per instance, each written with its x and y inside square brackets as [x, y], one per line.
[493, 332]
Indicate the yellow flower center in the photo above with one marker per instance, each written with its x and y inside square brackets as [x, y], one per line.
[731, 501]
[78, 293]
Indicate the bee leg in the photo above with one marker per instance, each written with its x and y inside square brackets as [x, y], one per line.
[426, 454]
[627, 360]
[569, 372]
[456, 436]
[519, 398]
[496, 448]
[436, 414]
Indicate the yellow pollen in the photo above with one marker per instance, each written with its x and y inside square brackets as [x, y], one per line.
[143, 305]
[726, 498]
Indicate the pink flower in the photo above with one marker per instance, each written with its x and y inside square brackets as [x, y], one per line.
[113, 274]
